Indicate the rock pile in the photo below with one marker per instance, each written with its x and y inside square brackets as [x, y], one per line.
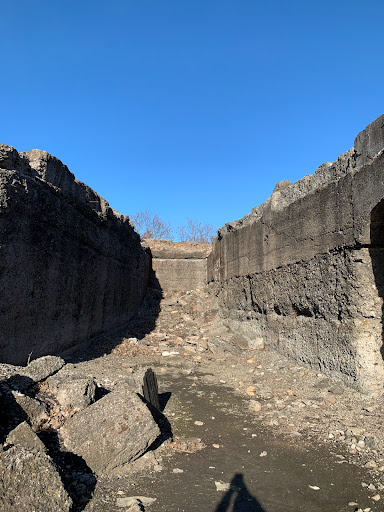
[63, 429]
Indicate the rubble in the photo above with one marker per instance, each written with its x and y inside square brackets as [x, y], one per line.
[61, 413]
[29, 481]
[112, 432]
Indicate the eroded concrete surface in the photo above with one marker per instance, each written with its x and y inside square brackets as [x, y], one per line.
[304, 269]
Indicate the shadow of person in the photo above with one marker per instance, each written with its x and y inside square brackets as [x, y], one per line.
[238, 498]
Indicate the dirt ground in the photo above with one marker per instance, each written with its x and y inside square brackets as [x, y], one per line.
[248, 430]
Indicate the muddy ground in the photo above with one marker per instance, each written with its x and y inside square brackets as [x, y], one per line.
[245, 430]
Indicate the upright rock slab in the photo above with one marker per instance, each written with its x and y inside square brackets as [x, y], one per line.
[112, 432]
[71, 267]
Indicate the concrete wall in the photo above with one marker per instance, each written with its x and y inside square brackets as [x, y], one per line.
[70, 266]
[179, 266]
[305, 269]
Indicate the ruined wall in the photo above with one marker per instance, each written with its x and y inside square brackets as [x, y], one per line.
[70, 266]
[305, 269]
[179, 266]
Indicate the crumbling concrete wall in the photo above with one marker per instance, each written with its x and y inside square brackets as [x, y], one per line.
[70, 267]
[179, 266]
[305, 270]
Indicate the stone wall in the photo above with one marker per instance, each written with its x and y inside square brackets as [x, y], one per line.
[305, 270]
[70, 267]
[179, 266]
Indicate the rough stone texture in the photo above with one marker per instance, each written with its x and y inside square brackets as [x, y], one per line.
[73, 392]
[179, 266]
[71, 267]
[151, 389]
[305, 270]
[35, 410]
[34, 372]
[29, 481]
[24, 436]
[112, 432]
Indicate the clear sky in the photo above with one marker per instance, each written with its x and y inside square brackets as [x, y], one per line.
[190, 108]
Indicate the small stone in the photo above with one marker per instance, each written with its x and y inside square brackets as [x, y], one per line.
[376, 497]
[216, 445]
[263, 454]
[352, 504]
[314, 487]
[329, 400]
[177, 470]
[132, 500]
[199, 423]
[256, 344]
[356, 431]
[370, 464]
[250, 390]
[222, 486]
[371, 487]
[254, 406]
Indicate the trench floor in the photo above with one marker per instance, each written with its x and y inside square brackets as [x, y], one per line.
[291, 453]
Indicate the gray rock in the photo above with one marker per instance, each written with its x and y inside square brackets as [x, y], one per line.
[24, 436]
[256, 344]
[41, 368]
[371, 442]
[219, 347]
[29, 481]
[112, 432]
[73, 392]
[23, 377]
[240, 341]
[35, 410]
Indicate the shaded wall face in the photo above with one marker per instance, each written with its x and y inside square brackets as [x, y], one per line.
[69, 269]
[376, 251]
[180, 274]
[179, 266]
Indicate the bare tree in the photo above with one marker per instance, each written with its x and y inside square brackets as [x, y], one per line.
[149, 225]
[196, 231]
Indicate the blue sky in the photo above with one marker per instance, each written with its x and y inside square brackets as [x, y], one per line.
[190, 108]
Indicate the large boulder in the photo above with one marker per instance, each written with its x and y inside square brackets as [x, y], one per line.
[29, 481]
[112, 432]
